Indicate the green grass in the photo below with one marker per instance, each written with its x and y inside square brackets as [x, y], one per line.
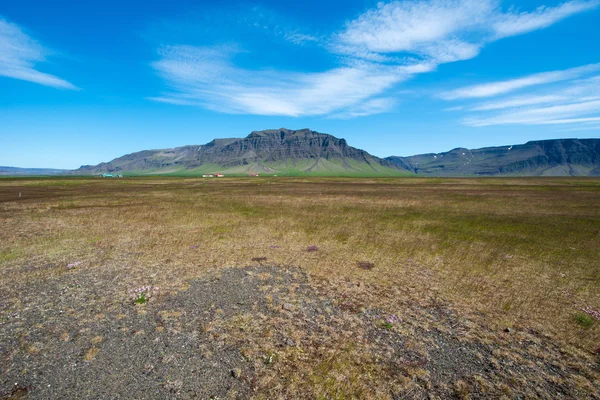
[8, 255]
[584, 320]
[142, 299]
[490, 253]
[513, 249]
[293, 168]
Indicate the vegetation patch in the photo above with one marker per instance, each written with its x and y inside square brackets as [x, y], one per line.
[584, 320]
[490, 279]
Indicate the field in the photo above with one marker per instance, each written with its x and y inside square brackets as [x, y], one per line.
[300, 288]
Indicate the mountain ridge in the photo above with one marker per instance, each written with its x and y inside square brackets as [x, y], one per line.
[552, 157]
[272, 151]
[305, 152]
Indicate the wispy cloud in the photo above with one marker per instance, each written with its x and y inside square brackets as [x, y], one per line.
[502, 87]
[19, 55]
[457, 108]
[446, 30]
[299, 38]
[368, 107]
[381, 48]
[556, 114]
[553, 101]
[208, 77]
[515, 23]
[515, 102]
[423, 28]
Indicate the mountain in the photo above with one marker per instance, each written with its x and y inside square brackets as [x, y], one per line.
[559, 157]
[13, 171]
[305, 152]
[275, 151]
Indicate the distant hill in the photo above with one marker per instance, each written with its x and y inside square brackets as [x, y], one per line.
[275, 151]
[559, 157]
[14, 171]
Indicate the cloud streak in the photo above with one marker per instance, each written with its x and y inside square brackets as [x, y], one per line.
[556, 114]
[208, 77]
[511, 24]
[502, 87]
[19, 55]
[446, 30]
[517, 102]
[557, 97]
[381, 48]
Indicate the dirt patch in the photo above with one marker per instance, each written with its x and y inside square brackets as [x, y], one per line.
[274, 332]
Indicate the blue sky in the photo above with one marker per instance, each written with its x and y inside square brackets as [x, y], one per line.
[85, 82]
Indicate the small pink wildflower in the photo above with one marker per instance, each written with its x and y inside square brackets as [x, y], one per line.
[73, 264]
[388, 322]
[312, 248]
[145, 292]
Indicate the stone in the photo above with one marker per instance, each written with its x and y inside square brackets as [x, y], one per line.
[236, 373]
[174, 386]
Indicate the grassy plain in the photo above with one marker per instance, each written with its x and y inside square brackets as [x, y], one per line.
[520, 253]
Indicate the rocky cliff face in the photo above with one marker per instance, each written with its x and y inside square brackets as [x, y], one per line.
[559, 157]
[261, 151]
[285, 144]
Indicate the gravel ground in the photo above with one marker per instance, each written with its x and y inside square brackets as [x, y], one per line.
[213, 339]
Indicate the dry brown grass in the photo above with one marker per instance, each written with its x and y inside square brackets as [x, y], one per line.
[519, 253]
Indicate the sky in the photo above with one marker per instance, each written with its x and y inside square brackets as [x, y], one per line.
[83, 82]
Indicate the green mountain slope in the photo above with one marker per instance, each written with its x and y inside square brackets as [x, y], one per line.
[273, 152]
[304, 152]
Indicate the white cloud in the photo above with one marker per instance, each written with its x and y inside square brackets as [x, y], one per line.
[409, 26]
[502, 87]
[208, 77]
[446, 30]
[299, 38]
[381, 48]
[556, 114]
[559, 97]
[451, 50]
[457, 108]
[512, 23]
[19, 54]
[572, 120]
[517, 102]
[369, 107]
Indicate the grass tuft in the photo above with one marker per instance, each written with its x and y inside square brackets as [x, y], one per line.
[584, 320]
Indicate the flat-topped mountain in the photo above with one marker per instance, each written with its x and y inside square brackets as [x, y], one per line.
[306, 152]
[558, 157]
[274, 151]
